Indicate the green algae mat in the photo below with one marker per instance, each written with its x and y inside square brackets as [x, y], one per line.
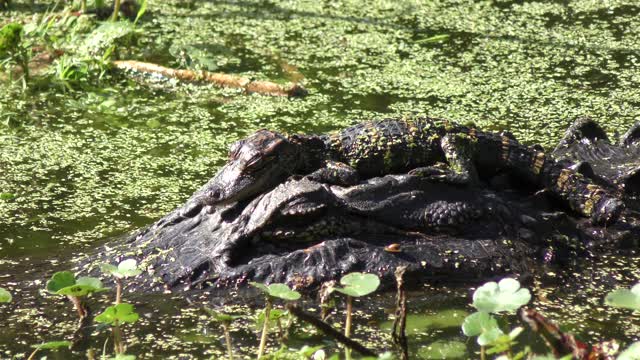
[82, 163]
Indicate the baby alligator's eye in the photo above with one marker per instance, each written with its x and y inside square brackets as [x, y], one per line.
[259, 162]
[234, 150]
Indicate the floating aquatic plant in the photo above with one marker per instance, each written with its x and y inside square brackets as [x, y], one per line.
[281, 291]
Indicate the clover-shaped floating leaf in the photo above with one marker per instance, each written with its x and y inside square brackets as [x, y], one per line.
[274, 315]
[60, 280]
[281, 291]
[506, 295]
[632, 352]
[65, 283]
[484, 326]
[52, 345]
[505, 342]
[126, 268]
[122, 313]
[5, 296]
[83, 286]
[624, 298]
[220, 316]
[358, 284]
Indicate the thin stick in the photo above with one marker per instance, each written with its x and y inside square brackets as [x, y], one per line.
[400, 322]
[104, 348]
[329, 330]
[265, 329]
[219, 79]
[33, 354]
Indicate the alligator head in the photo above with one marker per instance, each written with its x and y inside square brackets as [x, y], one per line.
[256, 164]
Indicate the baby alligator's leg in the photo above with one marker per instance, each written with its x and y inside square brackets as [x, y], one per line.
[459, 153]
[335, 173]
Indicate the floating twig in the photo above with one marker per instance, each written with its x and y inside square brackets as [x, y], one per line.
[219, 79]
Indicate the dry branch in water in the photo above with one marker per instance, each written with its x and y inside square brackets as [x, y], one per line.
[220, 79]
[329, 330]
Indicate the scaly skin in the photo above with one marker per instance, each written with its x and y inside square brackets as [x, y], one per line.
[391, 146]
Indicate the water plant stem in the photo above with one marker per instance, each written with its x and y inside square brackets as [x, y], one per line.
[118, 290]
[265, 328]
[227, 338]
[483, 354]
[116, 10]
[118, 345]
[280, 330]
[77, 304]
[347, 325]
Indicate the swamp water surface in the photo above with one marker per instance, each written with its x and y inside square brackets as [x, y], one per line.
[81, 167]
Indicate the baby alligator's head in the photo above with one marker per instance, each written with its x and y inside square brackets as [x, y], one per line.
[256, 164]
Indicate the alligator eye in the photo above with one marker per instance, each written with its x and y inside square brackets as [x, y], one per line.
[259, 162]
[234, 150]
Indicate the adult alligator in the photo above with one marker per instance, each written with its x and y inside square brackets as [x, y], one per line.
[306, 231]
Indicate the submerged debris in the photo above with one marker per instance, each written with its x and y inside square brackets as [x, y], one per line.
[219, 79]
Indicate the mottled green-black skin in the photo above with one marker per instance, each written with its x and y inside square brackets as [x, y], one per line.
[429, 147]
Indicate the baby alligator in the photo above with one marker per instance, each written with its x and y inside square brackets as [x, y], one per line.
[267, 158]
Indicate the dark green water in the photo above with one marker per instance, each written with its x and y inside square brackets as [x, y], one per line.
[86, 166]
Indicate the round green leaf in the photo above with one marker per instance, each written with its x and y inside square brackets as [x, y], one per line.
[274, 315]
[262, 287]
[283, 292]
[484, 326]
[83, 286]
[490, 336]
[495, 297]
[358, 284]
[129, 268]
[478, 323]
[632, 352]
[126, 268]
[123, 313]
[52, 345]
[5, 296]
[624, 298]
[108, 268]
[220, 316]
[60, 280]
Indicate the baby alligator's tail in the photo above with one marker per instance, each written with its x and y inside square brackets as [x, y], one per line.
[580, 193]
